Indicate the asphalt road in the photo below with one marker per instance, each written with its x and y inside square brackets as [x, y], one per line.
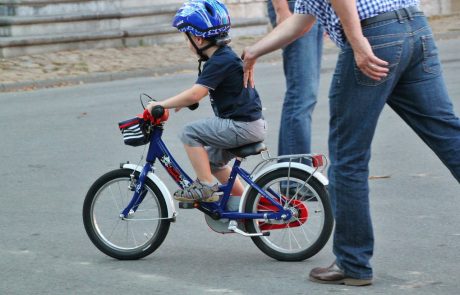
[56, 142]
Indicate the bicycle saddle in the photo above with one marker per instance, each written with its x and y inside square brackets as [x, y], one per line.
[248, 150]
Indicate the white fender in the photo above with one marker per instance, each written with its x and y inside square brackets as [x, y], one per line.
[320, 177]
[164, 190]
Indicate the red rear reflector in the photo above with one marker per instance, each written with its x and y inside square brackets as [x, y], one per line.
[317, 161]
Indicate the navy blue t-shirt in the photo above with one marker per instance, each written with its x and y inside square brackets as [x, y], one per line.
[223, 75]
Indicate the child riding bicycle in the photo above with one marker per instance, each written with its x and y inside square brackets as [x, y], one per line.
[238, 116]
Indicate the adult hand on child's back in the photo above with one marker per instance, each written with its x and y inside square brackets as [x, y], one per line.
[249, 61]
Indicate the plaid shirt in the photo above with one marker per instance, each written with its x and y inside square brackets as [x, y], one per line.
[326, 16]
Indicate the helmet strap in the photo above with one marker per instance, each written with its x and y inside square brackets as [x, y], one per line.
[199, 51]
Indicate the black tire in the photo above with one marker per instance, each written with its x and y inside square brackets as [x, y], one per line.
[141, 233]
[313, 195]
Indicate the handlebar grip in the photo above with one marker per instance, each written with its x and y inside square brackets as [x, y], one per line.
[194, 106]
[157, 111]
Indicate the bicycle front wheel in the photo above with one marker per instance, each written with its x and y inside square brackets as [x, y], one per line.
[135, 236]
[310, 227]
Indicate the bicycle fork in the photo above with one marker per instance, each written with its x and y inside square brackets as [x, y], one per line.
[139, 192]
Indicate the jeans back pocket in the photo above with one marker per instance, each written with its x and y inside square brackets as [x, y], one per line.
[430, 62]
[390, 52]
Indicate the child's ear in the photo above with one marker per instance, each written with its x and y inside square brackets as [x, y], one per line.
[199, 40]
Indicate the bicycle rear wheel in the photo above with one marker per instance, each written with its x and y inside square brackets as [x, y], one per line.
[306, 233]
[134, 237]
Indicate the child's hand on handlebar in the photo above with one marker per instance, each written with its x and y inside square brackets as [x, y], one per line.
[151, 105]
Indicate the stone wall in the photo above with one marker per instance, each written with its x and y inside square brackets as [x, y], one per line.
[238, 8]
[246, 8]
[440, 7]
[35, 26]
[251, 8]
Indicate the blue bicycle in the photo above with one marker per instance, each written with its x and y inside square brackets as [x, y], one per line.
[285, 207]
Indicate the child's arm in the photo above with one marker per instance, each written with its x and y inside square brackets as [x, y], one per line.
[183, 99]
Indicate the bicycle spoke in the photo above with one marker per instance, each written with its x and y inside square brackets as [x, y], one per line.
[289, 238]
[113, 197]
[302, 228]
[293, 235]
[132, 233]
[263, 208]
[315, 216]
[113, 229]
[282, 237]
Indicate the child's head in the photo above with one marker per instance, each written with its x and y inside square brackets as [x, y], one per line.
[205, 22]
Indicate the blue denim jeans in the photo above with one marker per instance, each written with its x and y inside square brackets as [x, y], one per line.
[415, 90]
[302, 65]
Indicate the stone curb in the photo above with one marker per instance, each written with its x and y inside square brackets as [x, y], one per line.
[151, 72]
[92, 78]
[328, 65]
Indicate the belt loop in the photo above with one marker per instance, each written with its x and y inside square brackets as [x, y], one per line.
[400, 18]
[409, 13]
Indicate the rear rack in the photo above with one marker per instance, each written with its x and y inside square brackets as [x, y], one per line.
[318, 162]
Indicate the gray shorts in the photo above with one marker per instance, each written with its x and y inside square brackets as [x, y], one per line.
[217, 134]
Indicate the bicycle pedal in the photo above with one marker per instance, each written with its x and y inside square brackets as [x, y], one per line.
[188, 205]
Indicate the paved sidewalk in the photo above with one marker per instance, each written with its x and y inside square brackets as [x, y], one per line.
[97, 65]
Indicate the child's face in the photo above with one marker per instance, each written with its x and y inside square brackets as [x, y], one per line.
[189, 44]
[198, 42]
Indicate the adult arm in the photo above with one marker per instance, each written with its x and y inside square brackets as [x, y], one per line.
[282, 10]
[366, 61]
[288, 31]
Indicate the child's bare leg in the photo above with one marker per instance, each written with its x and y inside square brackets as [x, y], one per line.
[200, 162]
[223, 174]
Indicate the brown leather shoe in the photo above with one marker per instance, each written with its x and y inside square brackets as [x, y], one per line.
[334, 275]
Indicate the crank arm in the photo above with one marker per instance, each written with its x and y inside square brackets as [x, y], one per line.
[233, 226]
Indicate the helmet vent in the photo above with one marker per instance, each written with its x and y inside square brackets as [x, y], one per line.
[210, 9]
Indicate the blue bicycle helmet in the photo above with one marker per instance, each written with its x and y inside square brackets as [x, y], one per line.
[203, 18]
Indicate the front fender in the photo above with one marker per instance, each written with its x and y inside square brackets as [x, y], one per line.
[172, 213]
[317, 175]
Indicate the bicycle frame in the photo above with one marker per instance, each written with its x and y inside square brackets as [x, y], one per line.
[158, 150]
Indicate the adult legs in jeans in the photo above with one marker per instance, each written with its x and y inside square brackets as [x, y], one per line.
[416, 91]
[302, 65]
[354, 112]
[423, 103]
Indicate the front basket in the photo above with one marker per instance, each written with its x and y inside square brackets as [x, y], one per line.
[134, 131]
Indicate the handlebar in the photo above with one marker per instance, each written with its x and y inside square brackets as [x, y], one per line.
[157, 112]
[194, 106]
[157, 116]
